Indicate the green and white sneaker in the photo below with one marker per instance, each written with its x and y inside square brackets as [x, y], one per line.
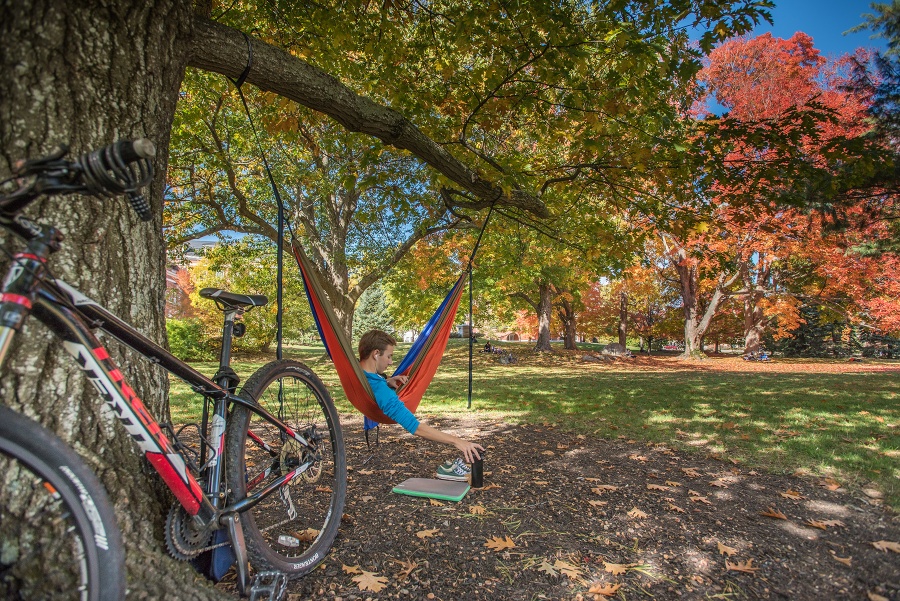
[454, 470]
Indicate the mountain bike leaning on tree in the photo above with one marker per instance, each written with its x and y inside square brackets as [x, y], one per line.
[269, 468]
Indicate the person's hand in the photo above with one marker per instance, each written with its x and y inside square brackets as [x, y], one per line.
[396, 382]
[469, 450]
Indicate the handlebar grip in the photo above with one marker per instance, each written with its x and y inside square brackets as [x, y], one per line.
[123, 166]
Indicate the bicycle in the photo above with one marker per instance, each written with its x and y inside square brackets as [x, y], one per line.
[269, 469]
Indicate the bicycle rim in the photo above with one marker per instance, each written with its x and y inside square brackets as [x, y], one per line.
[293, 528]
[58, 536]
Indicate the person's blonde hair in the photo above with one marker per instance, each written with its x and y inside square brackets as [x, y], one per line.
[374, 340]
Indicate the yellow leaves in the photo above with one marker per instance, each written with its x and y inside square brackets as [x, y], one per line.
[637, 513]
[886, 545]
[726, 550]
[477, 510]
[792, 495]
[423, 534]
[607, 590]
[567, 569]
[498, 544]
[368, 581]
[771, 512]
[745, 567]
[616, 569]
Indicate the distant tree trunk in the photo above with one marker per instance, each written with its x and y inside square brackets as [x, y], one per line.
[544, 309]
[567, 316]
[85, 74]
[755, 321]
[696, 322]
[623, 319]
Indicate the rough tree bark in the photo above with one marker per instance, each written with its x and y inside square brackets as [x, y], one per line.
[93, 71]
[566, 313]
[755, 320]
[86, 74]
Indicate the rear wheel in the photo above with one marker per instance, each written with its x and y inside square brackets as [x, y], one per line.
[292, 529]
[58, 533]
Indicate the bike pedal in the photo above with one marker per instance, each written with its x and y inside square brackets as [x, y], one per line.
[268, 586]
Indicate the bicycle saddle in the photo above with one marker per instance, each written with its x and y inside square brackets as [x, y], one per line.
[232, 300]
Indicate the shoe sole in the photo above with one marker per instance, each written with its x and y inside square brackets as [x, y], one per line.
[454, 478]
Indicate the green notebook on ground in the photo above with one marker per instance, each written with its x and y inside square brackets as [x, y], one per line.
[446, 490]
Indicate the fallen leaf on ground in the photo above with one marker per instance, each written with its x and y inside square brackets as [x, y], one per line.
[746, 567]
[423, 534]
[700, 500]
[691, 472]
[843, 560]
[307, 536]
[351, 569]
[323, 489]
[771, 512]
[886, 545]
[408, 567]
[546, 568]
[637, 513]
[436, 502]
[830, 484]
[367, 498]
[366, 472]
[877, 597]
[540, 482]
[607, 590]
[637, 457]
[657, 487]
[616, 568]
[726, 550]
[672, 483]
[592, 479]
[793, 495]
[548, 453]
[674, 507]
[476, 510]
[596, 503]
[569, 570]
[498, 544]
[599, 490]
[719, 483]
[368, 581]
[693, 493]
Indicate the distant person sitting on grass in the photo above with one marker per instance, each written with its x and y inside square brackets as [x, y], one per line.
[376, 354]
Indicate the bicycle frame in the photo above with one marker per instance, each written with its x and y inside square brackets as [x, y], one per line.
[71, 315]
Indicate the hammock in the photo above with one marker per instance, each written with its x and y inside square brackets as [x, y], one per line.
[419, 364]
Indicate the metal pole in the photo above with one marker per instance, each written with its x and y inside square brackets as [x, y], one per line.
[471, 332]
[280, 285]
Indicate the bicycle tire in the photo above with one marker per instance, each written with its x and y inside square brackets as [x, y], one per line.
[278, 538]
[59, 538]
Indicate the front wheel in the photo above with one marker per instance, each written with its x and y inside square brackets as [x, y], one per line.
[292, 529]
[58, 533]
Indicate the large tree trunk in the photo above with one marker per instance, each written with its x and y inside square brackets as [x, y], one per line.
[544, 308]
[755, 320]
[566, 314]
[87, 73]
[623, 319]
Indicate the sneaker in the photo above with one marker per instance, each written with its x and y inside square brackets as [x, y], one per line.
[455, 470]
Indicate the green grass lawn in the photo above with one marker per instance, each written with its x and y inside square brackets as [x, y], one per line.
[843, 425]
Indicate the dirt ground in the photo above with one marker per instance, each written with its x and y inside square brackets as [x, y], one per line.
[572, 517]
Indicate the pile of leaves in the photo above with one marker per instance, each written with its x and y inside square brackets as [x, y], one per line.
[564, 516]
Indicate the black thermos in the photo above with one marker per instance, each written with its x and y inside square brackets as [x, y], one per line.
[478, 472]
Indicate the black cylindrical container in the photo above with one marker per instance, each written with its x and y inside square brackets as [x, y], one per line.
[478, 472]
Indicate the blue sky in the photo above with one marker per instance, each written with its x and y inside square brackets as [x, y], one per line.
[825, 21]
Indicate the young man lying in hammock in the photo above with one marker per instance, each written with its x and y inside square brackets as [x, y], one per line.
[376, 354]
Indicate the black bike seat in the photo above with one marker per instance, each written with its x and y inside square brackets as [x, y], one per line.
[230, 299]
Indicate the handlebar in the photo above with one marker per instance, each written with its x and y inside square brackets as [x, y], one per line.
[121, 167]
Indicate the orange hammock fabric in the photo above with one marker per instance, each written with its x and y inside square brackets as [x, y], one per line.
[419, 365]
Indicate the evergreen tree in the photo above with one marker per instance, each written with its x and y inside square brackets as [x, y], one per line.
[372, 312]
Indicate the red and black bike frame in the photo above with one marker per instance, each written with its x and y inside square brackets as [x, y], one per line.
[72, 316]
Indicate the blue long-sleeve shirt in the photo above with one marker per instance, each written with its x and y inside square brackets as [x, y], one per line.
[390, 404]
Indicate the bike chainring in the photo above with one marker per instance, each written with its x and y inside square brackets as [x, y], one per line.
[183, 539]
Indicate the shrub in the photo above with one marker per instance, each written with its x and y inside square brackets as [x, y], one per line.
[187, 341]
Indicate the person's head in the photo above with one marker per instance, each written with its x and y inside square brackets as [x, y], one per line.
[378, 346]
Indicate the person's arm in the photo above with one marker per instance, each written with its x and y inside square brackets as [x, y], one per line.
[468, 449]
